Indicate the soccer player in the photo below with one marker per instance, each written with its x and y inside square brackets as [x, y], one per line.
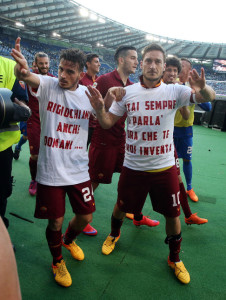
[183, 132]
[93, 68]
[63, 159]
[39, 66]
[22, 141]
[170, 75]
[23, 128]
[107, 149]
[9, 135]
[149, 164]
[34, 68]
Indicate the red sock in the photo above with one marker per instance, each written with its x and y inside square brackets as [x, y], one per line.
[184, 201]
[33, 168]
[174, 246]
[70, 235]
[54, 243]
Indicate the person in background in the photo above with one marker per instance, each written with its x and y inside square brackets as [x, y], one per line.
[34, 68]
[22, 141]
[39, 66]
[11, 134]
[170, 76]
[89, 78]
[23, 128]
[107, 149]
[183, 131]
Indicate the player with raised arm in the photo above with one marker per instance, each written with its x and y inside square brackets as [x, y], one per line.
[183, 131]
[62, 165]
[149, 165]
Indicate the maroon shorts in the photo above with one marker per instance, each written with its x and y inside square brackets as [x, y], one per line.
[50, 200]
[163, 188]
[103, 162]
[177, 163]
[33, 133]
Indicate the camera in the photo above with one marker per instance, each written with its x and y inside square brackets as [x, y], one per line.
[6, 108]
[11, 112]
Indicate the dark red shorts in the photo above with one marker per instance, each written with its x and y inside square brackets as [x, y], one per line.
[163, 188]
[33, 133]
[103, 162]
[177, 163]
[50, 200]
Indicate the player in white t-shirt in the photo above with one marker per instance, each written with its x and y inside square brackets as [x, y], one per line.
[63, 159]
[149, 165]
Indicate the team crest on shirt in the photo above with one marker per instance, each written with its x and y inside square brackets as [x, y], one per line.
[22, 84]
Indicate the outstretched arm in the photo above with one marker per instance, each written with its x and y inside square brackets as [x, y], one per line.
[22, 71]
[203, 92]
[106, 119]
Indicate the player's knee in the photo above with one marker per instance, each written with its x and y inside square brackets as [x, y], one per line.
[55, 224]
[34, 157]
[84, 218]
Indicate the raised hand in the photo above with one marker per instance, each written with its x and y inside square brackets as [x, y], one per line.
[197, 82]
[95, 98]
[117, 93]
[21, 69]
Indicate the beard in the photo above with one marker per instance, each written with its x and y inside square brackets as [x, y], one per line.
[43, 73]
[153, 78]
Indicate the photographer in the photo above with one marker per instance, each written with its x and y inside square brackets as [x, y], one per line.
[9, 130]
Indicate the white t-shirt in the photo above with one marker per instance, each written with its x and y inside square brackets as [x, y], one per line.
[150, 123]
[64, 116]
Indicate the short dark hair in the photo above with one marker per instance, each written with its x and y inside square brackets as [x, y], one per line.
[175, 62]
[121, 51]
[90, 57]
[153, 47]
[40, 54]
[187, 60]
[75, 56]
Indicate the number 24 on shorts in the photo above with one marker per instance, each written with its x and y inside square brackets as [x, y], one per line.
[87, 194]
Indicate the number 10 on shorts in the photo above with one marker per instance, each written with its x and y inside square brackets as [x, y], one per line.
[176, 200]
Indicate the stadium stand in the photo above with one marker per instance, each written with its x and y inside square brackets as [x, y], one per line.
[30, 47]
